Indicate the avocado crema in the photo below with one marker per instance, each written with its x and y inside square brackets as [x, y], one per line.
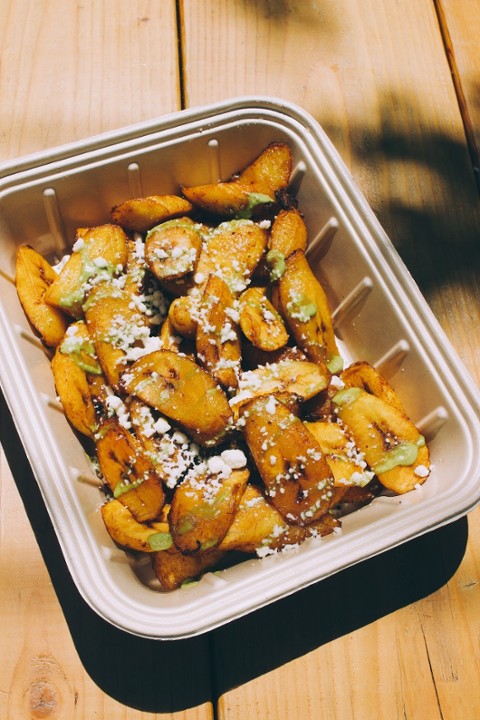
[254, 199]
[405, 453]
[276, 262]
[81, 351]
[92, 271]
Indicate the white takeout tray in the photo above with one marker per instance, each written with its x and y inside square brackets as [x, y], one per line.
[379, 314]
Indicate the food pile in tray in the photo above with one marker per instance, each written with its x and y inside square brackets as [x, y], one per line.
[194, 354]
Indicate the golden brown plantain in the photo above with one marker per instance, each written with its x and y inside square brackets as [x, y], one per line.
[297, 478]
[256, 185]
[184, 392]
[116, 328]
[392, 445]
[173, 569]
[217, 339]
[232, 251]
[73, 363]
[129, 533]
[182, 313]
[260, 322]
[304, 307]
[257, 526]
[33, 276]
[172, 249]
[99, 255]
[203, 507]
[288, 233]
[141, 214]
[363, 375]
[301, 379]
[346, 462]
[129, 472]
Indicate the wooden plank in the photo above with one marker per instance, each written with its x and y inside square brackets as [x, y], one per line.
[70, 70]
[376, 76]
[41, 672]
[460, 25]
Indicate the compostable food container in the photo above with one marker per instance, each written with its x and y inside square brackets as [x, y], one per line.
[379, 316]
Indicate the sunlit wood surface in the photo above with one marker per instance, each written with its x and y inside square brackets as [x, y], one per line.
[396, 85]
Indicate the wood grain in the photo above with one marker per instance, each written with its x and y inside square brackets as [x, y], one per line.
[398, 636]
[376, 76]
[460, 25]
[68, 71]
[75, 69]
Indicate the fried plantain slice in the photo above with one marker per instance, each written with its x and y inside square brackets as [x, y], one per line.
[255, 186]
[141, 214]
[346, 462]
[203, 506]
[33, 277]
[217, 339]
[260, 322]
[129, 472]
[180, 389]
[117, 329]
[99, 255]
[297, 478]
[232, 251]
[301, 379]
[258, 527]
[393, 447]
[172, 248]
[182, 313]
[127, 532]
[304, 307]
[363, 375]
[72, 365]
[288, 234]
[173, 569]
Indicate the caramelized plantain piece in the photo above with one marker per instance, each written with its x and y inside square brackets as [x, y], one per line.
[141, 214]
[184, 392]
[169, 452]
[129, 533]
[256, 185]
[182, 313]
[300, 379]
[217, 338]
[232, 251]
[258, 527]
[33, 276]
[116, 328]
[173, 569]
[297, 478]
[304, 307]
[346, 462]
[392, 445]
[203, 507]
[73, 363]
[99, 255]
[288, 234]
[260, 322]
[129, 472]
[172, 249]
[363, 375]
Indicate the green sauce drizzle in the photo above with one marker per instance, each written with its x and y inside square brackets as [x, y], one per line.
[404, 454]
[160, 541]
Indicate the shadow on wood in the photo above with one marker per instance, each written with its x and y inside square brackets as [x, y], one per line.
[171, 676]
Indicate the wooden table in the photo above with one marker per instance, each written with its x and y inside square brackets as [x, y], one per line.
[396, 85]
